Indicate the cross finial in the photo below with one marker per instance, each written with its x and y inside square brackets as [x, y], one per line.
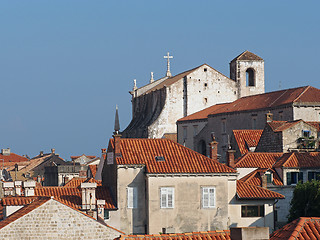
[151, 79]
[168, 74]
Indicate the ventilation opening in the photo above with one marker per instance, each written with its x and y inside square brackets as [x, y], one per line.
[205, 69]
[160, 158]
[205, 100]
[250, 78]
[206, 85]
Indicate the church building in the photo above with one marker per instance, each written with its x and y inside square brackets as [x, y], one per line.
[158, 105]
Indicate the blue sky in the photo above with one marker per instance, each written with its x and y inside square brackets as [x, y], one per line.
[64, 64]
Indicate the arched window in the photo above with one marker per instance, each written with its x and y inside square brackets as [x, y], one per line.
[250, 78]
[202, 147]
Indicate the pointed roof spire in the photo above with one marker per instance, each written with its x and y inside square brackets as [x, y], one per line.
[151, 79]
[116, 122]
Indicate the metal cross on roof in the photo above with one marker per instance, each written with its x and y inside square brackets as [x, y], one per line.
[168, 74]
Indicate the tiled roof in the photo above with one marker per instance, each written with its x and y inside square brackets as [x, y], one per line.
[17, 201]
[248, 191]
[75, 157]
[279, 126]
[299, 160]
[257, 160]
[246, 55]
[254, 178]
[246, 139]
[93, 169]
[170, 136]
[23, 211]
[177, 158]
[76, 182]
[209, 235]
[300, 229]
[15, 158]
[298, 95]
[315, 124]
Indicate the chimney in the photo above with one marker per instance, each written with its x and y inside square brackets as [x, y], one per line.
[264, 181]
[41, 154]
[103, 150]
[116, 135]
[100, 208]
[39, 179]
[230, 158]
[18, 188]
[88, 195]
[269, 117]
[249, 233]
[53, 150]
[213, 148]
[5, 152]
[8, 188]
[29, 187]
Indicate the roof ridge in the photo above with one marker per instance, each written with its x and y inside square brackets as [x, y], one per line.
[306, 88]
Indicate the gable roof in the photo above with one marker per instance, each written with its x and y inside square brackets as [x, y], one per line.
[246, 139]
[212, 235]
[76, 182]
[83, 155]
[247, 56]
[177, 158]
[254, 178]
[250, 192]
[269, 100]
[279, 126]
[299, 160]
[257, 160]
[299, 229]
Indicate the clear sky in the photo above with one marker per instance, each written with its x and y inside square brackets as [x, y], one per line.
[64, 64]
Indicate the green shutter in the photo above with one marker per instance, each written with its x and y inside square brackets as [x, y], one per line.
[288, 178]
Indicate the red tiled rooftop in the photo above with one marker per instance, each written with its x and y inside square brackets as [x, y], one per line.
[254, 178]
[248, 191]
[177, 158]
[17, 201]
[300, 229]
[299, 160]
[76, 182]
[246, 139]
[209, 235]
[257, 160]
[13, 158]
[298, 95]
[93, 169]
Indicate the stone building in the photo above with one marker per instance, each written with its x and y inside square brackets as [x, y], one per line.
[249, 112]
[158, 105]
[161, 186]
[49, 218]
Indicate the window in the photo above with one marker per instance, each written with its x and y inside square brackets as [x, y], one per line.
[224, 126]
[185, 133]
[313, 175]
[306, 133]
[205, 69]
[195, 130]
[106, 214]
[167, 197]
[294, 177]
[269, 177]
[250, 77]
[160, 158]
[132, 197]
[208, 197]
[252, 211]
[202, 147]
[254, 123]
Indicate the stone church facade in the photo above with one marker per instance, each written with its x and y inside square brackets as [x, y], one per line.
[158, 105]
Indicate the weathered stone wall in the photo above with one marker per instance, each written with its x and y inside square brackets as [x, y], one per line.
[54, 220]
[270, 141]
[307, 112]
[192, 131]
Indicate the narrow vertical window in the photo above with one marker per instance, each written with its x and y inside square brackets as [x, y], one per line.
[132, 197]
[224, 126]
[195, 130]
[250, 78]
[185, 133]
[167, 197]
[208, 197]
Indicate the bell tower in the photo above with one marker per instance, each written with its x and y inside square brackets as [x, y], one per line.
[247, 70]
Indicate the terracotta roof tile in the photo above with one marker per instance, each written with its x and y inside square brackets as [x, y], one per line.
[171, 136]
[298, 95]
[246, 139]
[15, 158]
[177, 158]
[93, 169]
[248, 191]
[254, 178]
[209, 235]
[299, 229]
[257, 160]
[299, 160]
[247, 56]
[76, 182]
[315, 124]
[17, 201]
[23, 211]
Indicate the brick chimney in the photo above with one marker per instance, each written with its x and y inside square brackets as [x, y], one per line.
[230, 158]
[269, 117]
[29, 187]
[264, 181]
[213, 148]
[103, 150]
[88, 195]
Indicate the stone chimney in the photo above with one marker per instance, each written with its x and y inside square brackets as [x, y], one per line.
[88, 195]
[269, 117]
[29, 187]
[264, 181]
[18, 188]
[39, 179]
[230, 158]
[53, 150]
[5, 152]
[213, 148]
[8, 188]
[249, 233]
[41, 154]
[100, 208]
